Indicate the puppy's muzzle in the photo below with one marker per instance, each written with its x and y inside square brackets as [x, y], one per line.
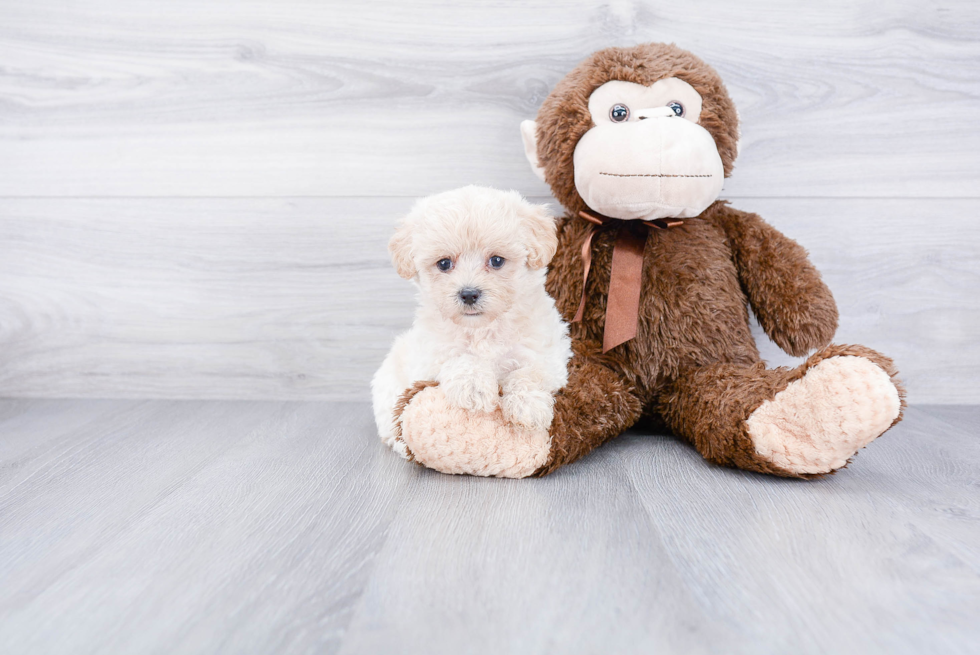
[469, 296]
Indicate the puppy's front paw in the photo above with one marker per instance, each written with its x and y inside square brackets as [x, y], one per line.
[475, 390]
[529, 409]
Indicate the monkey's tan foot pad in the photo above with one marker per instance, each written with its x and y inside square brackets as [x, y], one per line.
[818, 422]
[453, 440]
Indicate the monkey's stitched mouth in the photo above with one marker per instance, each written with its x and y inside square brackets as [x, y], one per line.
[650, 175]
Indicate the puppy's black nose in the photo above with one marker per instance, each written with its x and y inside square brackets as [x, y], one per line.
[469, 295]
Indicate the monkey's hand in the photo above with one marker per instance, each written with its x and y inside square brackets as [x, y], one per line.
[792, 303]
[469, 383]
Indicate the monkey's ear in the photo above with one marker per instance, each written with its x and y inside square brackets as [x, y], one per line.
[541, 235]
[529, 132]
[400, 247]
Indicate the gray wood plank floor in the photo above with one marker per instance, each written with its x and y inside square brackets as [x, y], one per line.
[259, 527]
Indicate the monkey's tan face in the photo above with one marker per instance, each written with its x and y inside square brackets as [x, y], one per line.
[645, 156]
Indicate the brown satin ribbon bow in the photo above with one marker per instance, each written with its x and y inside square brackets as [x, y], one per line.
[625, 275]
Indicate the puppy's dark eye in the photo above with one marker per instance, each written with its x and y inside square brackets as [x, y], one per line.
[619, 113]
[497, 261]
[676, 107]
[444, 265]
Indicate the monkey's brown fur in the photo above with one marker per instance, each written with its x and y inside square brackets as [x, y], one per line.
[693, 362]
[564, 117]
[693, 365]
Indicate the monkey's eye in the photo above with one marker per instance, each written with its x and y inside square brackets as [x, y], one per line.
[496, 261]
[676, 107]
[444, 265]
[619, 113]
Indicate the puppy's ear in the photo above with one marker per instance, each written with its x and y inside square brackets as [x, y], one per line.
[541, 235]
[400, 248]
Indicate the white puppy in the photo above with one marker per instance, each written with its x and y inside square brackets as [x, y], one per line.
[485, 323]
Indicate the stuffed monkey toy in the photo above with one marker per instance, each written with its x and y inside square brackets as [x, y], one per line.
[655, 276]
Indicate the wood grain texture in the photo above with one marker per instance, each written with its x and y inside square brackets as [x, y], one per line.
[647, 548]
[287, 98]
[168, 520]
[195, 199]
[236, 527]
[178, 298]
[906, 277]
[296, 298]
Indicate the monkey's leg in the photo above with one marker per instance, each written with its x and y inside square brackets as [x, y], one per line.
[801, 422]
[594, 406]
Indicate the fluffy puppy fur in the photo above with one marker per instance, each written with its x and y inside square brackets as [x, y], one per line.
[485, 329]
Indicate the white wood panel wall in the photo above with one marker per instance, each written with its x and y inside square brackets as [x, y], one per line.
[195, 196]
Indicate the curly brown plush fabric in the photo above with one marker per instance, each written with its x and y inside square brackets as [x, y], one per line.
[710, 405]
[693, 363]
[564, 117]
[590, 410]
[693, 366]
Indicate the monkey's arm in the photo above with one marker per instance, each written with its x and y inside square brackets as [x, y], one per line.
[792, 303]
